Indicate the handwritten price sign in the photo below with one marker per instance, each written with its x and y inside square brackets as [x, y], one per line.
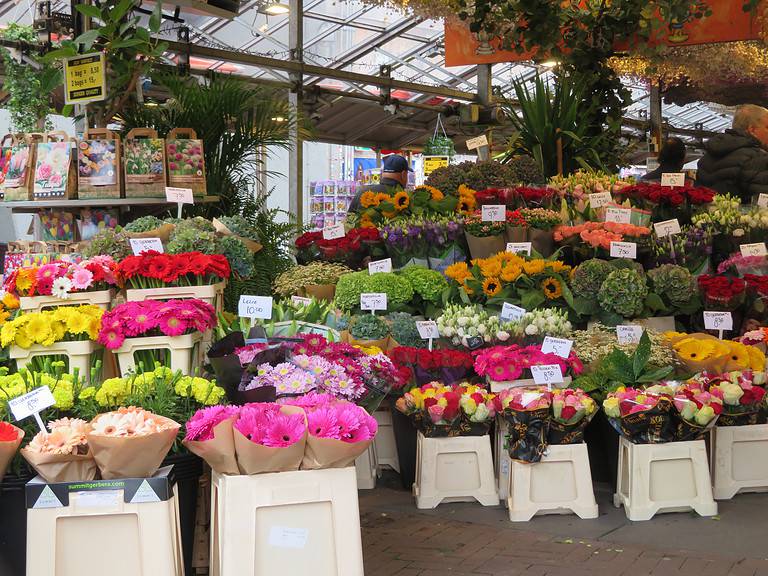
[334, 232]
[179, 195]
[618, 215]
[511, 313]
[373, 301]
[519, 247]
[673, 179]
[301, 300]
[547, 374]
[624, 250]
[757, 249]
[559, 346]
[380, 266]
[494, 213]
[139, 245]
[600, 199]
[667, 228]
[255, 307]
[718, 321]
[427, 329]
[629, 333]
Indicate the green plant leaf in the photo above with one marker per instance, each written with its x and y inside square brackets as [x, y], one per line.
[642, 355]
[156, 18]
[86, 39]
[88, 10]
[655, 375]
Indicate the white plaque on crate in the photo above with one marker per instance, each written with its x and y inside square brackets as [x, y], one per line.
[667, 228]
[511, 313]
[624, 250]
[673, 179]
[518, 247]
[600, 199]
[494, 213]
[380, 266]
[47, 499]
[762, 200]
[373, 301]
[547, 374]
[718, 321]
[618, 215]
[255, 307]
[99, 498]
[31, 403]
[139, 245]
[285, 537]
[629, 333]
[757, 249]
[559, 346]
[427, 329]
[145, 494]
[333, 231]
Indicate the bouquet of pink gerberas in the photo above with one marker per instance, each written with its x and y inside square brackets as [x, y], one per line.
[309, 432]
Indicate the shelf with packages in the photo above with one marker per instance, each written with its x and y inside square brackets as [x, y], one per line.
[122, 203]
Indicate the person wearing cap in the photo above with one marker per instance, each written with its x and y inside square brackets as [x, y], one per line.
[394, 177]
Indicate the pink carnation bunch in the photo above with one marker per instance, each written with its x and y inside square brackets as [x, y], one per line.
[267, 425]
[200, 426]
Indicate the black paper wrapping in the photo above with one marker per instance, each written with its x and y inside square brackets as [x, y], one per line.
[527, 438]
[560, 433]
[654, 426]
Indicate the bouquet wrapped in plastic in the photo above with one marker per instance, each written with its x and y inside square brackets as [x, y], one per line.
[641, 416]
[742, 393]
[527, 411]
[572, 410]
[696, 410]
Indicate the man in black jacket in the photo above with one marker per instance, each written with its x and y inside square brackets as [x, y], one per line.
[394, 176]
[737, 161]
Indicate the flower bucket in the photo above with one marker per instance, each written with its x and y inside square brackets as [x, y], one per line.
[484, 247]
[320, 291]
[79, 354]
[185, 351]
[542, 241]
[100, 298]
[515, 234]
[213, 294]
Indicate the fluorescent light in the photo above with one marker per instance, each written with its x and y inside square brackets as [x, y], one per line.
[276, 8]
[278, 119]
[549, 63]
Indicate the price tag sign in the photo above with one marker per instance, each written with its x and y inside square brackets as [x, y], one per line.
[179, 195]
[757, 249]
[618, 215]
[762, 201]
[547, 374]
[673, 179]
[718, 321]
[301, 300]
[478, 142]
[494, 213]
[85, 78]
[519, 247]
[31, 403]
[600, 199]
[139, 245]
[373, 301]
[624, 250]
[255, 307]
[380, 266]
[427, 329]
[629, 333]
[474, 342]
[559, 346]
[667, 228]
[333, 232]
[511, 313]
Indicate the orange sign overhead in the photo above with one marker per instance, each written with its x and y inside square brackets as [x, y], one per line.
[728, 23]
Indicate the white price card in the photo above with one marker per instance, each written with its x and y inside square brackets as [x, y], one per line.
[494, 213]
[519, 247]
[673, 179]
[380, 266]
[333, 232]
[559, 346]
[718, 321]
[511, 313]
[255, 307]
[139, 245]
[600, 199]
[179, 195]
[624, 250]
[757, 249]
[31, 403]
[667, 228]
[427, 329]
[301, 300]
[477, 142]
[762, 200]
[618, 215]
[547, 374]
[373, 301]
[629, 333]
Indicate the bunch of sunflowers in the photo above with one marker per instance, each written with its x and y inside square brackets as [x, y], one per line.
[64, 323]
[378, 207]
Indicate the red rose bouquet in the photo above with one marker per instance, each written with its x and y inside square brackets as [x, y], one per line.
[721, 292]
[666, 202]
[155, 270]
[424, 366]
[351, 249]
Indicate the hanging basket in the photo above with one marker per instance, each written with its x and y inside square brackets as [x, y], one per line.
[439, 144]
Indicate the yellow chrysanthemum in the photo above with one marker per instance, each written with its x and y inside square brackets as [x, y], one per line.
[368, 199]
[534, 267]
[552, 288]
[87, 393]
[78, 323]
[491, 286]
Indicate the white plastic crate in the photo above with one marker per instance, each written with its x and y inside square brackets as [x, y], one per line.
[289, 523]
[211, 293]
[75, 529]
[366, 469]
[670, 477]
[185, 351]
[100, 298]
[739, 460]
[79, 354]
[386, 447]
[458, 469]
[561, 483]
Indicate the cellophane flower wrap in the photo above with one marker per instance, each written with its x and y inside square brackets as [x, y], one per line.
[526, 412]
[209, 435]
[509, 363]
[697, 408]
[438, 410]
[269, 438]
[155, 270]
[155, 318]
[63, 454]
[66, 323]
[572, 410]
[742, 392]
[641, 417]
[130, 442]
[10, 440]
[60, 279]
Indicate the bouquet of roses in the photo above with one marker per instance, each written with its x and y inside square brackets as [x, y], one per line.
[572, 410]
[744, 265]
[640, 416]
[350, 249]
[10, 440]
[60, 279]
[446, 411]
[667, 202]
[155, 270]
[509, 363]
[721, 292]
[63, 454]
[526, 412]
[697, 409]
[425, 366]
[528, 196]
[742, 392]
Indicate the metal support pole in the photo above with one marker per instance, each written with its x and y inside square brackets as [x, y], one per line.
[296, 154]
[654, 103]
[485, 95]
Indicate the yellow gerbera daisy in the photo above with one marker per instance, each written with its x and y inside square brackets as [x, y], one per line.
[738, 355]
[38, 327]
[693, 349]
[491, 286]
[756, 358]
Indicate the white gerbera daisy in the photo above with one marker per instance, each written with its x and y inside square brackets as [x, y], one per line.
[61, 287]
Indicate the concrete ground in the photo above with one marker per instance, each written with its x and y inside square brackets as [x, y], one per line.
[468, 539]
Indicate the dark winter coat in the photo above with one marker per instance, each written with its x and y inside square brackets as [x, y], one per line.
[734, 163]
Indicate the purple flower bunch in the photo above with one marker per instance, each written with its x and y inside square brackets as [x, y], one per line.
[287, 378]
[405, 236]
[268, 425]
[200, 426]
[442, 232]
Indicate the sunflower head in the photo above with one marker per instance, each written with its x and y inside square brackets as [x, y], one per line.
[382, 197]
[368, 199]
[402, 200]
[458, 271]
[491, 286]
[552, 288]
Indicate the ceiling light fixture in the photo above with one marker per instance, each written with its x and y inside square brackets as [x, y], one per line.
[276, 8]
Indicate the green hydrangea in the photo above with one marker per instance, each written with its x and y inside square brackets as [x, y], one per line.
[404, 331]
[623, 292]
[240, 226]
[369, 327]
[429, 284]
[349, 288]
[589, 276]
[144, 224]
[240, 258]
[188, 238]
[398, 289]
[674, 283]
[109, 242]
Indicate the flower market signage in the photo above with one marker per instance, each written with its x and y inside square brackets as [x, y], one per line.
[673, 179]
[516, 247]
[559, 346]
[85, 79]
[255, 307]
[494, 213]
[31, 404]
[667, 228]
[600, 199]
[373, 301]
[432, 163]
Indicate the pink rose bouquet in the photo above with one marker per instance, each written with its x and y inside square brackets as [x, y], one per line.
[527, 414]
[640, 416]
[572, 410]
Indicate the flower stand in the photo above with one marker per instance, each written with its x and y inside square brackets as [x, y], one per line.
[739, 460]
[100, 298]
[366, 468]
[384, 441]
[303, 522]
[131, 529]
[458, 469]
[656, 478]
[78, 353]
[185, 351]
[561, 483]
[211, 293]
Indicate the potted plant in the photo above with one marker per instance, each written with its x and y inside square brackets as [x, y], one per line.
[369, 330]
[315, 280]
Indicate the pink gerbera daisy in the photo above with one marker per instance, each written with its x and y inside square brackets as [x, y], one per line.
[82, 278]
[284, 430]
[322, 423]
[172, 325]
